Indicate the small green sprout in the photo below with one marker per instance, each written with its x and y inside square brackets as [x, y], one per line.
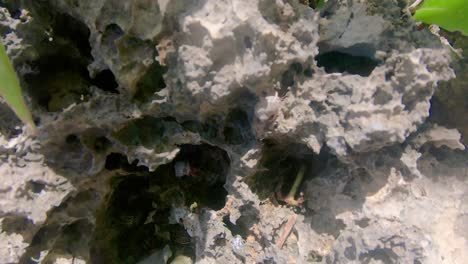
[10, 89]
[451, 15]
[315, 4]
[290, 199]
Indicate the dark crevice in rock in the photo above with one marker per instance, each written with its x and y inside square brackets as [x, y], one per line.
[383, 255]
[111, 34]
[69, 28]
[288, 79]
[72, 139]
[96, 140]
[35, 186]
[151, 82]
[60, 77]
[249, 217]
[358, 59]
[279, 167]
[237, 128]
[208, 169]
[314, 256]
[105, 80]
[121, 233]
[115, 161]
[134, 219]
[60, 82]
[67, 230]
[340, 62]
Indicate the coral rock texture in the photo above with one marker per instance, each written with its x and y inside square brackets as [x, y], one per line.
[178, 131]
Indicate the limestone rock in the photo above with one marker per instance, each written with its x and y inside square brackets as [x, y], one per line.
[180, 127]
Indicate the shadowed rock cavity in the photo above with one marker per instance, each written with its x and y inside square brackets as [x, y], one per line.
[59, 76]
[279, 167]
[358, 59]
[134, 219]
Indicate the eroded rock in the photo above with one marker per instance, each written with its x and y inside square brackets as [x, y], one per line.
[178, 127]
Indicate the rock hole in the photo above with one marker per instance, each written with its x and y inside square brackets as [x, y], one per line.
[121, 234]
[151, 82]
[134, 219]
[279, 168]
[220, 241]
[208, 167]
[35, 186]
[115, 161]
[105, 80]
[72, 139]
[314, 256]
[288, 78]
[62, 77]
[70, 28]
[101, 144]
[362, 223]
[96, 140]
[247, 42]
[309, 72]
[287, 81]
[340, 62]
[249, 217]
[358, 59]
[111, 33]
[61, 81]
[237, 128]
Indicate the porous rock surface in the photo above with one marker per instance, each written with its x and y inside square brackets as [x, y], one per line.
[170, 131]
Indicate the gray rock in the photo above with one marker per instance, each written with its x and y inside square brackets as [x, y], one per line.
[179, 127]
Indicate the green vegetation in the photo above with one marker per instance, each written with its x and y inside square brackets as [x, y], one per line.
[451, 15]
[10, 89]
[313, 3]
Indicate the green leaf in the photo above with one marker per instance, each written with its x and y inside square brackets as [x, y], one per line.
[10, 89]
[320, 4]
[451, 15]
